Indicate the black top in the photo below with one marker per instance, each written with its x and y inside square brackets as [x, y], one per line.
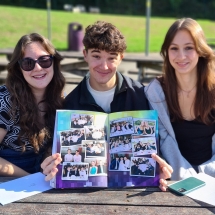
[194, 140]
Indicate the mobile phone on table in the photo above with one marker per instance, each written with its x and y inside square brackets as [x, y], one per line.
[185, 186]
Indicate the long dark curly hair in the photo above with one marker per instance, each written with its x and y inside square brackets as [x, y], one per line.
[23, 100]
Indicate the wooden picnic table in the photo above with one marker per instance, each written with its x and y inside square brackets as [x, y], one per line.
[147, 201]
[143, 62]
[64, 66]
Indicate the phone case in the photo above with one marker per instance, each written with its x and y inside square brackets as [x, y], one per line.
[186, 185]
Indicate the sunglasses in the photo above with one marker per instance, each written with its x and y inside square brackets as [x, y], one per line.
[28, 64]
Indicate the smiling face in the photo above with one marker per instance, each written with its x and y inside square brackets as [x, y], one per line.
[38, 78]
[142, 123]
[182, 53]
[102, 67]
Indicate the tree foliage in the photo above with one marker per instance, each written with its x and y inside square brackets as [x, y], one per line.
[203, 9]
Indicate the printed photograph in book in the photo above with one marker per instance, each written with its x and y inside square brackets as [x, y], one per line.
[72, 153]
[94, 148]
[120, 144]
[144, 127]
[120, 162]
[75, 171]
[106, 150]
[81, 120]
[94, 133]
[143, 145]
[141, 166]
[121, 126]
[72, 137]
[97, 166]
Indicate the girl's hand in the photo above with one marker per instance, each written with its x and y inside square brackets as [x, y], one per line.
[49, 166]
[165, 171]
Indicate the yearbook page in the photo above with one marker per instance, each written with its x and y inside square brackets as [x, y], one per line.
[133, 138]
[101, 150]
[80, 138]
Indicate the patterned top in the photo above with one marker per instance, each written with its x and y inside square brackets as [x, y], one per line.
[10, 124]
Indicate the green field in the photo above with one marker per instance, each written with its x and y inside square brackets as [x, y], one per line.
[16, 22]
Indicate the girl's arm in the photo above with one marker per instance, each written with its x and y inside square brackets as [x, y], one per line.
[6, 167]
[9, 169]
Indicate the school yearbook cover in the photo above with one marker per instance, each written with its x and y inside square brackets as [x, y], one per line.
[106, 150]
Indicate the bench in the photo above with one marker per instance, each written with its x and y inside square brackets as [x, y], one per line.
[152, 62]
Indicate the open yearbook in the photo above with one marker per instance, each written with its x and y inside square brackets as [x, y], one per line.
[106, 150]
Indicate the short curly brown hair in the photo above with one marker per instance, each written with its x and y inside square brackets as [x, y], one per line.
[104, 36]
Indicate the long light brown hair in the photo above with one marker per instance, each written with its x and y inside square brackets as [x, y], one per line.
[23, 100]
[204, 101]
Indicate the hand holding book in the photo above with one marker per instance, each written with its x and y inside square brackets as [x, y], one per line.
[49, 166]
[165, 171]
[114, 150]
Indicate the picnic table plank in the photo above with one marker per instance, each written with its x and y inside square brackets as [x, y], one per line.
[73, 65]
[71, 78]
[3, 64]
[114, 197]
[149, 200]
[59, 209]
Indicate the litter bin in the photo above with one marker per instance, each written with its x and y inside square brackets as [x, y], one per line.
[75, 37]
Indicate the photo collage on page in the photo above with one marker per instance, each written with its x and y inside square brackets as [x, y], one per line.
[131, 141]
[83, 149]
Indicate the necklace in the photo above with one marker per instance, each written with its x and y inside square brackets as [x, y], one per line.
[187, 91]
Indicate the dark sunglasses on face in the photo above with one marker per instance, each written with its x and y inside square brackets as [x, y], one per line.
[28, 64]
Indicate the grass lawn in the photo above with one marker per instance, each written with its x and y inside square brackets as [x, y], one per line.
[16, 21]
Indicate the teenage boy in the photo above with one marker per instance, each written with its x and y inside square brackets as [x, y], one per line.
[68, 157]
[104, 89]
